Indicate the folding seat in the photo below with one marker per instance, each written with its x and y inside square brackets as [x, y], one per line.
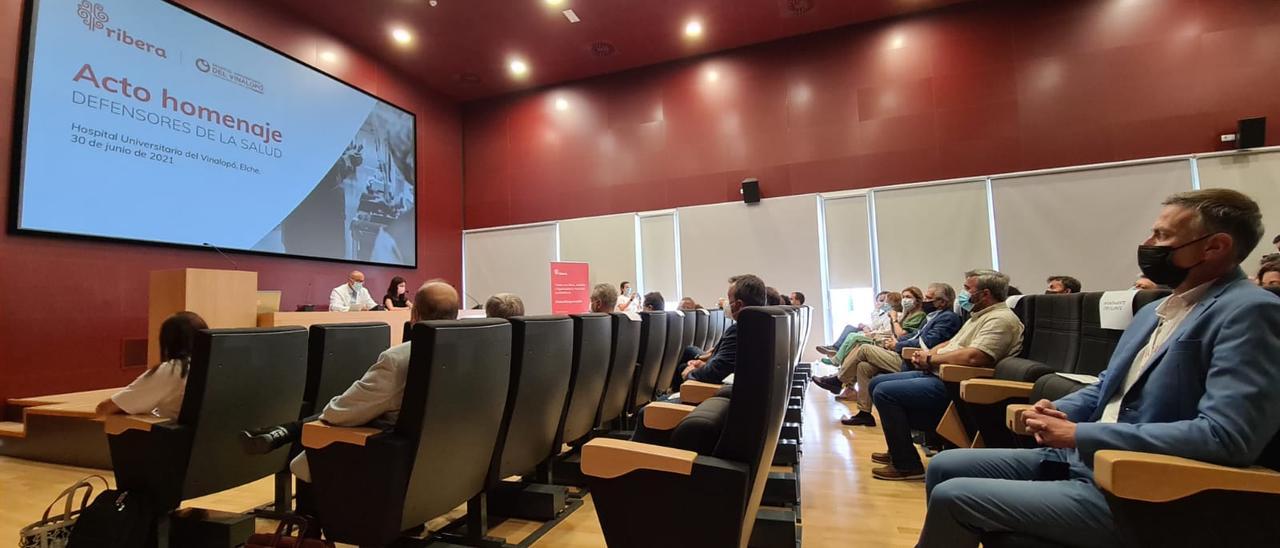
[647, 495]
[543, 356]
[407, 334]
[624, 349]
[1024, 309]
[593, 337]
[239, 379]
[653, 343]
[701, 326]
[372, 484]
[715, 327]
[979, 403]
[677, 326]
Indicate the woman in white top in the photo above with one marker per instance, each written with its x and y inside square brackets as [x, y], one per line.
[627, 297]
[159, 390]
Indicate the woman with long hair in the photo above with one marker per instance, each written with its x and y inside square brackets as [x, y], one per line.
[160, 389]
[397, 295]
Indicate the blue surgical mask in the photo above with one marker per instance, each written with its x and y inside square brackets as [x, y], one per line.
[962, 300]
[357, 286]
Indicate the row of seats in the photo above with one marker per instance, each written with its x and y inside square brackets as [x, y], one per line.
[531, 384]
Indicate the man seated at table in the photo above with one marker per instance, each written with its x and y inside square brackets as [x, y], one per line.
[1193, 376]
[351, 296]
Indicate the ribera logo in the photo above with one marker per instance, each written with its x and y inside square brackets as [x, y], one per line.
[94, 15]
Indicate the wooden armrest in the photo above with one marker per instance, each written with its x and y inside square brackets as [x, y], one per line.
[117, 424]
[1162, 478]
[318, 435]
[1013, 418]
[993, 390]
[610, 458]
[696, 391]
[661, 415]
[957, 373]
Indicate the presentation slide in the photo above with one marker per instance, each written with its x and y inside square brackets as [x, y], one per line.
[146, 122]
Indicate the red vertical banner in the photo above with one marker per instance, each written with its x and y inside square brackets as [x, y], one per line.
[570, 293]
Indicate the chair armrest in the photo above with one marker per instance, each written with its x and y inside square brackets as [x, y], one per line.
[696, 391]
[661, 415]
[1162, 478]
[957, 373]
[117, 424]
[318, 435]
[1013, 418]
[610, 458]
[988, 391]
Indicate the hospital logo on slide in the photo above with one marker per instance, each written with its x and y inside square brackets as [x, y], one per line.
[93, 14]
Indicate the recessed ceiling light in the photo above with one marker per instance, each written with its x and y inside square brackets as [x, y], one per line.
[693, 29]
[713, 75]
[554, 2]
[401, 36]
[571, 16]
[562, 104]
[328, 56]
[518, 67]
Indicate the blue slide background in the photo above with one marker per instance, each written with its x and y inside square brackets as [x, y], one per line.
[71, 186]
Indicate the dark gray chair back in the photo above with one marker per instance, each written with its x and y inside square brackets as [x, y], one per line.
[542, 354]
[592, 334]
[338, 354]
[700, 328]
[674, 347]
[454, 401]
[1056, 323]
[623, 351]
[653, 340]
[715, 327]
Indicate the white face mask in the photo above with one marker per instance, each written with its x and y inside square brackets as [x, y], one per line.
[908, 304]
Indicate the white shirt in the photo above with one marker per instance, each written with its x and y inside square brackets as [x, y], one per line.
[1170, 315]
[373, 400]
[345, 299]
[158, 391]
[625, 303]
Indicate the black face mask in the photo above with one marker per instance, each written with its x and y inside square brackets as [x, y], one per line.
[928, 307]
[1156, 262]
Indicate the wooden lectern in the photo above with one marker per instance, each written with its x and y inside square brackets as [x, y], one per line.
[224, 298]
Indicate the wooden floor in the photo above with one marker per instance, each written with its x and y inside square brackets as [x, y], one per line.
[842, 505]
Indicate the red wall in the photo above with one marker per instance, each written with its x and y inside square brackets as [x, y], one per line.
[66, 305]
[980, 88]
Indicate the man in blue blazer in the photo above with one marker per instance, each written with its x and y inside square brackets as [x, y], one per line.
[1194, 376]
[744, 290]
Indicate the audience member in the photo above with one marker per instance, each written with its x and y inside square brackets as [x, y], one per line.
[159, 390]
[1269, 274]
[786, 300]
[797, 298]
[911, 320]
[917, 399]
[886, 301]
[397, 295]
[744, 290]
[351, 296]
[772, 297]
[1144, 283]
[653, 301]
[688, 303]
[1186, 380]
[374, 399]
[1062, 285]
[1276, 242]
[504, 305]
[627, 297]
[604, 298]
[869, 361]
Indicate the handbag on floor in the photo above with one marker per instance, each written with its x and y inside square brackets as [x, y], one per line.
[55, 531]
[283, 537]
[116, 519]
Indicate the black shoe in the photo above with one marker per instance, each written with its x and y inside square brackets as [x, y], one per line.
[863, 418]
[263, 441]
[831, 384]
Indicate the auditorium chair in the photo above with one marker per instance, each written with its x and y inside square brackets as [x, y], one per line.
[979, 403]
[677, 326]
[653, 343]
[715, 327]
[701, 325]
[1024, 308]
[1095, 345]
[372, 484]
[407, 333]
[239, 379]
[592, 347]
[624, 349]
[543, 356]
[646, 495]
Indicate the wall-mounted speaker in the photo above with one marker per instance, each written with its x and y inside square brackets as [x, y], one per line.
[750, 191]
[1251, 132]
